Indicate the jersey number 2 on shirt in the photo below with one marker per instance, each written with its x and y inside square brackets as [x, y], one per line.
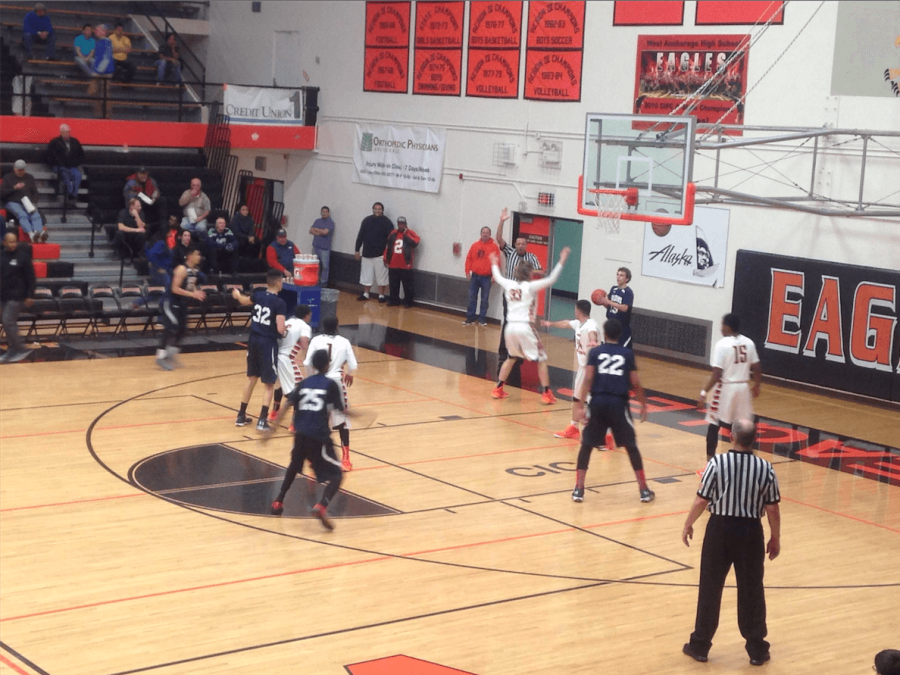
[261, 315]
[610, 364]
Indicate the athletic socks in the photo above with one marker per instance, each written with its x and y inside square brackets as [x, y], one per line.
[243, 409]
[579, 478]
[264, 413]
[544, 390]
[344, 433]
[161, 354]
[641, 479]
[279, 394]
[500, 384]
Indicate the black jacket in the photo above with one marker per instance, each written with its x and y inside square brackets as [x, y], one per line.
[17, 280]
[373, 235]
[57, 155]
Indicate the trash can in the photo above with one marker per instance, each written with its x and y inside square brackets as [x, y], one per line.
[328, 302]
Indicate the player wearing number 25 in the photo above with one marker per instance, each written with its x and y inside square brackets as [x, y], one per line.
[398, 258]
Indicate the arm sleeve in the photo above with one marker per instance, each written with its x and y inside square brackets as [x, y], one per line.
[495, 272]
[549, 280]
[78, 154]
[468, 267]
[351, 358]
[414, 239]
[272, 259]
[359, 237]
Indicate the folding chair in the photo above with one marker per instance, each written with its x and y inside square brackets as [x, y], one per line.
[105, 306]
[73, 308]
[126, 295]
[43, 313]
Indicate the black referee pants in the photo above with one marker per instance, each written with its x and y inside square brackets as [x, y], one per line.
[739, 542]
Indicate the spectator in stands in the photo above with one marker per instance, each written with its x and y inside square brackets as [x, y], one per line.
[196, 207]
[372, 238]
[132, 231]
[280, 255]
[65, 155]
[121, 45]
[179, 253]
[222, 250]
[16, 288]
[155, 205]
[37, 28]
[168, 58]
[244, 229]
[84, 49]
[102, 68]
[18, 191]
[398, 258]
[322, 231]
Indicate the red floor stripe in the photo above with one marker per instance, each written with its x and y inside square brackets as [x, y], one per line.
[74, 501]
[12, 665]
[842, 515]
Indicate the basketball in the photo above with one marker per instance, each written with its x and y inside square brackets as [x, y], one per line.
[661, 230]
[597, 296]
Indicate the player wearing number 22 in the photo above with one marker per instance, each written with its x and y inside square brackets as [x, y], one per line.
[266, 326]
[398, 258]
[315, 398]
[609, 375]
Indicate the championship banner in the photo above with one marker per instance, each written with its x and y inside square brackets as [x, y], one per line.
[672, 67]
[554, 51]
[386, 67]
[734, 12]
[262, 105]
[648, 13]
[408, 158]
[691, 254]
[495, 41]
[438, 56]
[820, 322]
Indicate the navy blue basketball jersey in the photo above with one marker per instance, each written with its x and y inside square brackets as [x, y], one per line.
[613, 369]
[622, 296]
[314, 399]
[266, 306]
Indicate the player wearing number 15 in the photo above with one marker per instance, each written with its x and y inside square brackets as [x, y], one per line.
[266, 326]
[609, 374]
[735, 363]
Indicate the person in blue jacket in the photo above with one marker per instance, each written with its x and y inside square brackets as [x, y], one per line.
[222, 248]
[37, 27]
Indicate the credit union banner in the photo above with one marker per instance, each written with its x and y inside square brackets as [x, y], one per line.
[263, 105]
[408, 158]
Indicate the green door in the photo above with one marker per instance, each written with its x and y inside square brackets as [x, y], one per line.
[567, 233]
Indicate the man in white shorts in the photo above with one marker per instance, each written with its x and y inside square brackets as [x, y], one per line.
[735, 362]
[370, 244]
[340, 352]
[522, 340]
[291, 353]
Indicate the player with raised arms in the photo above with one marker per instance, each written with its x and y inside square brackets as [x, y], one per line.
[609, 375]
[266, 327]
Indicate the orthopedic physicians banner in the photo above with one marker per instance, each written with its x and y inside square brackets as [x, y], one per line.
[692, 254]
[261, 105]
[408, 158]
[821, 322]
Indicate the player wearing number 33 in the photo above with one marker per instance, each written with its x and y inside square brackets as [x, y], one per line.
[735, 362]
[266, 326]
[609, 374]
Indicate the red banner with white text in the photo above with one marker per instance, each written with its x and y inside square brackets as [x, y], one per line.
[386, 67]
[438, 54]
[495, 42]
[554, 50]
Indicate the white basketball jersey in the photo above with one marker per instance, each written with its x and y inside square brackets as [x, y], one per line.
[583, 339]
[521, 295]
[340, 352]
[734, 355]
[296, 329]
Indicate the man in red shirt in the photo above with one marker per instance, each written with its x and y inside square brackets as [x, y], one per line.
[478, 272]
[398, 258]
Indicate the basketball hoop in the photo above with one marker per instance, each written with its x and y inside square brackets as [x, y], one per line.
[611, 204]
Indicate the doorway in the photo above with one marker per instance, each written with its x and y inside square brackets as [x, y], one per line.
[286, 62]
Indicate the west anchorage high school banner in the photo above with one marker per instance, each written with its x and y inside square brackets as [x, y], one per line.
[691, 254]
[261, 105]
[821, 322]
[408, 158]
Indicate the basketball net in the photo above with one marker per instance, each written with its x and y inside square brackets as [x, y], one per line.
[610, 206]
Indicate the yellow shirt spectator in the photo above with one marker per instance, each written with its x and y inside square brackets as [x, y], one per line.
[121, 46]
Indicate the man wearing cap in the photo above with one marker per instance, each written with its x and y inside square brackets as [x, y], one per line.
[398, 258]
[36, 27]
[280, 255]
[18, 191]
[65, 155]
[372, 238]
[140, 185]
[196, 207]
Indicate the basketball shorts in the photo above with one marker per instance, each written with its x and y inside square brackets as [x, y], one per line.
[372, 272]
[262, 354]
[610, 412]
[729, 401]
[337, 416]
[522, 342]
[173, 316]
[289, 373]
[319, 454]
[579, 380]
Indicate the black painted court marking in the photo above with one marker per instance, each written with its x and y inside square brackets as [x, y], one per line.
[21, 658]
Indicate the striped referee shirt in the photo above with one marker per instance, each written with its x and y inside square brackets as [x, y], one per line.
[513, 259]
[739, 484]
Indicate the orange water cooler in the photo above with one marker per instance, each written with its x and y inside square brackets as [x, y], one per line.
[306, 270]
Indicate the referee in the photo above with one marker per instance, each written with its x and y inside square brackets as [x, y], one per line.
[514, 256]
[736, 487]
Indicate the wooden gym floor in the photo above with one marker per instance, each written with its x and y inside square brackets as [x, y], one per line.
[134, 534]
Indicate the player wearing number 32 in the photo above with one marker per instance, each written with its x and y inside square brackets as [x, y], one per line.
[735, 362]
[609, 375]
[266, 326]
[398, 258]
